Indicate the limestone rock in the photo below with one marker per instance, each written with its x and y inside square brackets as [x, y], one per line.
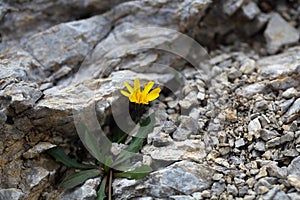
[35, 176]
[231, 6]
[19, 65]
[36, 150]
[275, 193]
[181, 197]
[11, 193]
[289, 93]
[248, 66]
[250, 10]
[279, 33]
[24, 18]
[78, 38]
[250, 90]
[294, 180]
[280, 65]
[294, 167]
[22, 95]
[293, 112]
[184, 176]
[177, 150]
[86, 191]
[254, 126]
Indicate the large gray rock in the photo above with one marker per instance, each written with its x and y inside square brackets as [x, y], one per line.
[11, 193]
[76, 38]
[77, 50]
[85, 192]
[252, 89]
[293, 112]
[22, 95]
[19, 64]
[250, 10]
[24, 18]
[284, 64]
[294, 167]
[279, 32]
[231, 6]
[276, 193]
[40, 88]
[184, 177]
[177, 150]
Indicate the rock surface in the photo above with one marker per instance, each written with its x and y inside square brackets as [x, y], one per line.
[24, 18]
[183, 177]
[12, 193]
[86, 191]
[279, 33]
[227, 121]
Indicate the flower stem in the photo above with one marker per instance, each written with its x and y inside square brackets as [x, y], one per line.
[110, 185]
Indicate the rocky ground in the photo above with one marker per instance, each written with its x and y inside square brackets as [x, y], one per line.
[228, 130]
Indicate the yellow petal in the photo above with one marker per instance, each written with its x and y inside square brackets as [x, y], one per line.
[153, 94]
[137, 85]
[134, 97]
[148, 87]
[145, 101]
[140, 97]
[129, 88]
[125, 93]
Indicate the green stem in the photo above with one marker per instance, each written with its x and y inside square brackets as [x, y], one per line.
[123, 138]
[110, 185]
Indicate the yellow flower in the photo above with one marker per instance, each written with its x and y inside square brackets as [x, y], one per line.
[135, 94]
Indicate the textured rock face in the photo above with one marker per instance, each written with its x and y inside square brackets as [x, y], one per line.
[230, 130]
[86, 191]
[11, 194]
[280, 65]
[37, 85]
[279, 33]
[182, 177]
[20, 18]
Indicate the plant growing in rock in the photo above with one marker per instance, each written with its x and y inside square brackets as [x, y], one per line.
[108, 165]
[138, 98]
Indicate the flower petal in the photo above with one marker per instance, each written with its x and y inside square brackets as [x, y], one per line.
[129, 88]
[154, 94]
[134, 97]
[148, 87]
[125, 93]
[137, 85]
[144, 99]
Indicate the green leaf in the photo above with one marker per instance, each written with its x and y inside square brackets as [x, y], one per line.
[137, 142]
[137, 173]
[60, 156]
[123, 156]
[107, 164]
[101, 195]
[123, 168]
[79, 178]
[90, 141]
